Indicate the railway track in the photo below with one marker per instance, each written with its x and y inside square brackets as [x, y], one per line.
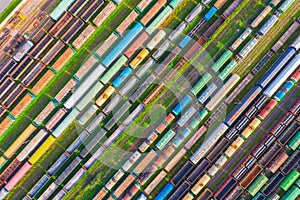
[267, 40]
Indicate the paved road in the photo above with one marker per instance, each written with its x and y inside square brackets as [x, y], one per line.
[4, 4]
[279, 110]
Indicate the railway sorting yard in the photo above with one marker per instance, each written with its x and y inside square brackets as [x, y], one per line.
[166, 99]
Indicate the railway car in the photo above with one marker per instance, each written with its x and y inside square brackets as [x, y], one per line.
[175, 160]
[105, 13]
[177, 32]
[65, 90]
[124, 185]
[248, 48]
[165, 139]
[148, 158]
[164, 47]
[71, 183]
[106, 44]
[143, 4]
[13, 148]
[250, 177]
[214, 154]
[180, 191]
[165, 192]
[277, 162]
[83, 37]
[210, 13]
[92, 10]
[96, 156]
[133, 115]
[55, 119]
[42, 82]
[272, 184]
[279, 95]
[133, 190]
[277, 66]
[200, 117]
[257, 184]
[155, 182]
[22, 104]
[34, 142]
[290, 163]
[182, 104]
[85, 86]
[116, 177]
[13, 96]
[31, 73]
[198, 171]
[53, 52]
[133, 158]
[292, 193]
[158, 20]
[49, 191]
[90, 112]
[261, 16]
[42, 149]
[18, 176]
[152, 12]
[268, 25]
[194, 13]
[142, 88]
[267, 109]
[155, 92]
[37, 187]
[295, 77]
[207, 93]
[208, 143]
[240, 39]
[62, 60]
[126, 22]
[125, 73]
[60, 9]
[65, 123]
[10, 65]
[289, 180]
[238, 110]
[227, 70]
[22, 66]
[222, 60]
[9, 170]
[225, 188]
[195, 137]
[40, 46]
[72, 31]
[156, 39]
[213, 28]
[200, 184]
[181, 174]
[60, 24]
[186, 116]
[139, 58]
[23, 50]
[122, 44]
[57, 164]
[84, 69]
[251, 127]
[136, 45]
[282, 76]
[68, 170]
[164, 156]
[285, 6]
[295, 141]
